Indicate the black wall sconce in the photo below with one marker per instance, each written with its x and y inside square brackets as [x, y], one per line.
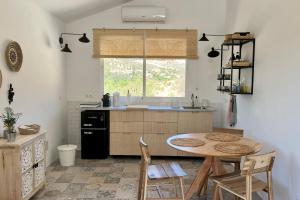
[214, 52]
[204, 38]
[66, 48]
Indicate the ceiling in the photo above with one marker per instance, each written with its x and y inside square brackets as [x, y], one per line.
[70, 10]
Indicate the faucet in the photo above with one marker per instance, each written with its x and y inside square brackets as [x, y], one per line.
[193, 100]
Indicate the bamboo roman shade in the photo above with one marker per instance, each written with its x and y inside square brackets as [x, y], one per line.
[134, 43]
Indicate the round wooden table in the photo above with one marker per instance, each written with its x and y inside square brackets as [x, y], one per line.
[211, 156]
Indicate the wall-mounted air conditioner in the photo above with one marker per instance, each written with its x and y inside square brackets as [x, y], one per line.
[143, 14]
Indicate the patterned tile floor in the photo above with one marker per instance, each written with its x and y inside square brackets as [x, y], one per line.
[110, 179]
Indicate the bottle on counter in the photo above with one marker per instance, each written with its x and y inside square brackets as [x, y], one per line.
[128, 97]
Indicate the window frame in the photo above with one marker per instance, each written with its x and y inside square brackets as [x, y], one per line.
[145, 79]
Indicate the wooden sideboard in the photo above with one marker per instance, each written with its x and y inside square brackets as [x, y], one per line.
[127, 126]
[22, 166]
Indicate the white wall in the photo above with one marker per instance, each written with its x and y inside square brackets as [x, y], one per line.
[85, 77]
[40, 84]
[272, 114]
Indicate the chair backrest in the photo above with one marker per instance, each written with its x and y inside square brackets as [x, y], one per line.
[253, 164]
[144, 152]
[145, 161]
[238, 132]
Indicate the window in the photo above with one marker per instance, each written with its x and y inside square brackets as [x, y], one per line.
[149, 77]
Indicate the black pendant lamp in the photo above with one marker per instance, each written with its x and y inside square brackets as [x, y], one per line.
[203, 38]
[84, 39]
[66, 49]
[213, 53]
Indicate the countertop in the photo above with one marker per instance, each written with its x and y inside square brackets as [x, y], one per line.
[151, 108]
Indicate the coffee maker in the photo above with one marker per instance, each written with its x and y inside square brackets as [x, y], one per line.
[106, 100]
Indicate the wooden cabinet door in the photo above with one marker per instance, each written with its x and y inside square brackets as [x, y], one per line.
[27, 184]
[160, 116]
[39, 164]
[27, 157]
[194, 122]
[157, 144]
[125, 143]
[39, 174]
[39, 149]
[10, 174]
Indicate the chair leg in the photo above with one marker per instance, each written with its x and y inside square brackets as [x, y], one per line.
[248, 187]
[270, 187]
[237, 167]
[175, 189]
[181, 188]
[220, 193]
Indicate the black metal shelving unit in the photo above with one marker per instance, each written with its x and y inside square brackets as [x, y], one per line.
[224, 70]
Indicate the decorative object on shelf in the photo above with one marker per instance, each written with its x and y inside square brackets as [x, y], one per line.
[66, 48]
[14, 56]
[29, 129]
[106, 100]
[0, 78]
[239, 36]
[9, 119]
[11, 94]
[238, 64]
[224, 76]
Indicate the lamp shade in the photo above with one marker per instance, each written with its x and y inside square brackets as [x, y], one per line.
[213, 53]
[84, 39]
[204, 38]
[66, 49]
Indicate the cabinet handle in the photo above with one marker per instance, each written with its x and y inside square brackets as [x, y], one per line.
[87, 124]
[35, 165]
[88, 133]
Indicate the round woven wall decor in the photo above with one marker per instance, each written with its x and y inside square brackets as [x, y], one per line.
[187, 142]
[222, 137]
[14, 56]
[234, 148]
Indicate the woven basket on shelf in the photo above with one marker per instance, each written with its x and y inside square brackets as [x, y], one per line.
[239, 36]
[239, 64]
[29, 129]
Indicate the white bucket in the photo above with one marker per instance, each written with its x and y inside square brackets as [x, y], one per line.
[67, 154]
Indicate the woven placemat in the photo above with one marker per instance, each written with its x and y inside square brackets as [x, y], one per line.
[222, 137]
[187, 142]
[234, 148]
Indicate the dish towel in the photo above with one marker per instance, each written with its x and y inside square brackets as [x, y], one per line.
[232, 111]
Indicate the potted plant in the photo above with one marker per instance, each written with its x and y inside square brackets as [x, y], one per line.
[9, 119]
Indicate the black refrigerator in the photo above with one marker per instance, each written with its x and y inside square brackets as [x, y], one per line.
[94, 134]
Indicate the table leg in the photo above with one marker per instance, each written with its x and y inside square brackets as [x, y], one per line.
[218, 169]
[200, 179]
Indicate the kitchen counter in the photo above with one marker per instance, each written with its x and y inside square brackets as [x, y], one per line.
[151, 108]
